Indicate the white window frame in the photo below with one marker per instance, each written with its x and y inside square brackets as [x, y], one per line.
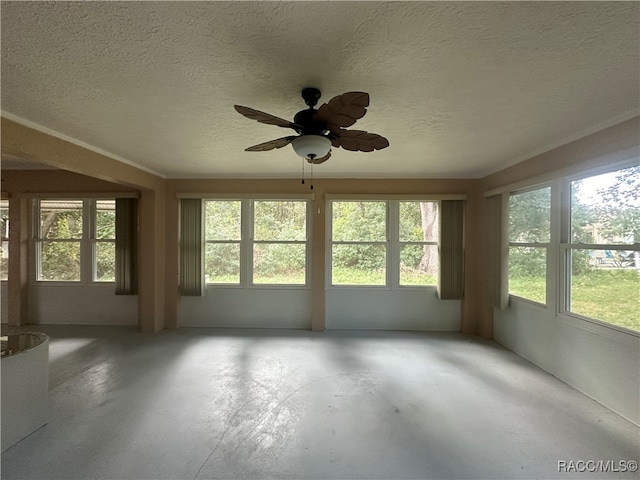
[392, 242]
[87, 242]
[566, 245]
[247, 241]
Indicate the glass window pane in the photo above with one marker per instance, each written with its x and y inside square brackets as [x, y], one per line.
[222, 263]
[4, 260]
[605, 284]
[61, 219]
[280, 220]
[605, 208]
[106, 219]
[105, 266]
[60, 261]
[279, 263]
[4, 218]
[527, 273]
[222, 220]
[359, 221]
[361, 264]
[418, 265]
[530, 216]
[418, 222]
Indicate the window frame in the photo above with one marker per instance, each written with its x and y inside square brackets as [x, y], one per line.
[247, 241]
[557, 275]
[87, 242]
[566, 245]
[392, 242]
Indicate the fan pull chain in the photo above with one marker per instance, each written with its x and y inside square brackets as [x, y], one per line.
[311, 188]
[302, 172]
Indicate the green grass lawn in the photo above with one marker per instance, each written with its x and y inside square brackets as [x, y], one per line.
[609, 295]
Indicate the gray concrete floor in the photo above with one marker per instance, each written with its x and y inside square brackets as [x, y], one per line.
[243, 404]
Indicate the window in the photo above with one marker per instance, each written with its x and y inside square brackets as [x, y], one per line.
[529, 241]
[359, 243]
[222, 241]
[59, 242]
[279, 242]
[75, 240]
[4, 239]
[418, 236]
[256, 242]
[603, 264]
[104, 241]
[372, 241]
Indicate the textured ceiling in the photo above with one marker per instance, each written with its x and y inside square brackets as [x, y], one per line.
[460, 89]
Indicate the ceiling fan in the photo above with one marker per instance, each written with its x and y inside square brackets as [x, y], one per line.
[319, 130]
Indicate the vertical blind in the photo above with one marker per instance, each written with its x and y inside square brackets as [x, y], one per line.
[496, 252]
[451, 283]
[126, 246]
[191, 247]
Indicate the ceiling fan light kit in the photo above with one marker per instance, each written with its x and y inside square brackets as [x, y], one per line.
[311, 146]
[319, 130]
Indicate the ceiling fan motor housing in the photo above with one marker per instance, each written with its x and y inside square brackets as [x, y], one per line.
[310, 125]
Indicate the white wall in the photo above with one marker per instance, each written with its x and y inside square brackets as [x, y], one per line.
[599, 361]
[254, 307]
[81, 305]
[383, 309]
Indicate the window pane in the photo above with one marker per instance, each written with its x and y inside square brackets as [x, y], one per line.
[4, 260]
[418, 222]
[4, 218]
[359, 221]
[605, 208]
[106, 219]
[418, 265]
[530, 216]
[222, 220]
[280, 220]
[527, 273]
[605, 284]
[279, 263]
[361, 264]
[222, 263]
[61, 219]
[60, 261]
[4, 235]
[105, 266]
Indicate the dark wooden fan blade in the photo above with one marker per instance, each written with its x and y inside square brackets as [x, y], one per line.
[267, 118]
[317, 161]
[361, 141]
[270, 145]
[343, 111]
